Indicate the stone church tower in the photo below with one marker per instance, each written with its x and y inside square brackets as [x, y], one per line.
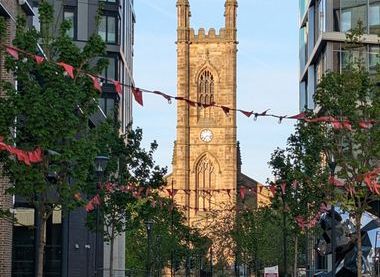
[206, 157]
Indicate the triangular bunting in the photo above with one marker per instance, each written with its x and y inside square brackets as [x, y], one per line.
[95, 83]
[13, 52]
[118, 87]
[69, 69]
[137, 93]
[39, 59]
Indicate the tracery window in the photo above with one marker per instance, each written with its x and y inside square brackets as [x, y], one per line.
[205, 93]
[205, 177]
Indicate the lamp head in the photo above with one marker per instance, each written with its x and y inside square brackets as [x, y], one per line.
[149, 225]
[101, 164]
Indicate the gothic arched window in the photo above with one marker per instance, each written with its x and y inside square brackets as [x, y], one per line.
[205, 178]
[205, 92]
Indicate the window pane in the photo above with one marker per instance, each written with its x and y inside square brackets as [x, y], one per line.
[111, 29]
[111, 71]
[374, 18]
[102, 104]
[69, 16]
[373, 59]
[353, 11]
[110, 107]
[102, 27]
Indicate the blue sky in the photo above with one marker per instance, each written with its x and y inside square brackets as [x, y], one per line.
[267, 73]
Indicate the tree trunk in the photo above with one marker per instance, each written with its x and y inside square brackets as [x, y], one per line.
[41, 245]
[358, 217]
[111, 251]
[295, 265]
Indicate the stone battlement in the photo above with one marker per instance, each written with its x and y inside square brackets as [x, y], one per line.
[211, 35]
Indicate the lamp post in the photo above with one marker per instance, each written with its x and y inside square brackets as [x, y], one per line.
[149, 226]
[100, 166]
[332, 166]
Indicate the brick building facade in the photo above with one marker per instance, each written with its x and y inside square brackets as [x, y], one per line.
[8, 10]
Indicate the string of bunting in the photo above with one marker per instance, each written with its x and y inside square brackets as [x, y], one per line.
[138, 192]
[69, 70]
[27, 157]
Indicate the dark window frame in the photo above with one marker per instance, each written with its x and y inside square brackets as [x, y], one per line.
[72, 9]
[117, 21]
[113, 56]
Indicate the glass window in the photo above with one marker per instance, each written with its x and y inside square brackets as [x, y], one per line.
[111, 29]
[103, 28]
[353, 11]
[373, 58]
[108, 106]
[70, 16]
[322, 16]
[108, 1]
[108, 28]
[374, 17]
[111, 71]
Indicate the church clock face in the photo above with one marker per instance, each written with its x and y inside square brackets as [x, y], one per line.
[206, 135]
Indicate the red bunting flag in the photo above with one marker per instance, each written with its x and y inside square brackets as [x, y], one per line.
[110, 187]
[95, 201]
[167, 97]
[335, 182]
[89, 207]
[137, 93]
[366, 124]
[247, 114]
[172, 193]
[226, 110]
[39, 59]
[299, 116]
[295, 185]
[28, 158]
[95, 83]
[242, 191]
[347, 125]
[264, 113]
[13, 52]
[69, 69]
[283, 188]
[228, 192]
[272, 188]
[117, 85]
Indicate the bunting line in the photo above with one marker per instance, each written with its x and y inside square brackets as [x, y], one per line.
[337, 123]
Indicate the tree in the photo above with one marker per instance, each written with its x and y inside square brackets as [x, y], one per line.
[351, 101]
[130, 166]
[299, 190]
[51, 110]
[173, 241]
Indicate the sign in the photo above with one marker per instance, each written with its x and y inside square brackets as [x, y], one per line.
[271, 271]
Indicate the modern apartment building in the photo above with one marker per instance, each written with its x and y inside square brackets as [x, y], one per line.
[323, 24]
[71, 249]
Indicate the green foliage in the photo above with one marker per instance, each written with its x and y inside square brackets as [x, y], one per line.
[51, 111]
[299, 168]
[259, 238]
[353, 96]
[172, 240]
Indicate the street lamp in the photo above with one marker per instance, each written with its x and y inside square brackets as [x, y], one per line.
[149, 225]
[100, 166]
[332, 166]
